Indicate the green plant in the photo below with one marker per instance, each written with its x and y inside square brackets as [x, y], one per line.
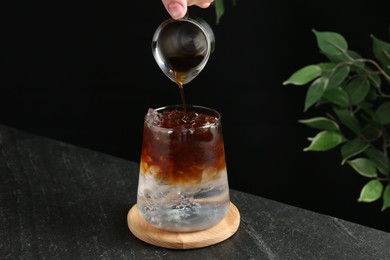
[354, 92]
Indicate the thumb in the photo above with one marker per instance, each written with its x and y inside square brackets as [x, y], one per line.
[176, 8]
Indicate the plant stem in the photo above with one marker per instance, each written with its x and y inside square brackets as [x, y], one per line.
[353, 62]
[387, 76]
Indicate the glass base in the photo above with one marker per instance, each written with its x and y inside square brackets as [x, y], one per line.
[186, 240]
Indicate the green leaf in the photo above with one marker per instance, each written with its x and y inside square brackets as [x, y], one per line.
[349, 56]
[371, 191]
[337, 96]
[364, 167]
[331, 43]
[373, 76]
[367, 107]
[381, 160]
[322, 123]
[338, 76]
[324, 141]
[371, 133]
[327, 66]
[375, 79]
[355, 58]
[352, 148]
[315, 91]
[372, 95]
[386, 198]
[304, 75]
[382, 114]
[357, 90]
[219, 9]
[381, 51]
[327, 69]
[347, 118]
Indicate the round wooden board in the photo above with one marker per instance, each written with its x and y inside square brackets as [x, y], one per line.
[183, 240]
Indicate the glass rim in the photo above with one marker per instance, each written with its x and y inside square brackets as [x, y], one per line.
[190, 108]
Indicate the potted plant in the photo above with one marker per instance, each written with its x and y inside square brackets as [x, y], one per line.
[354, 92]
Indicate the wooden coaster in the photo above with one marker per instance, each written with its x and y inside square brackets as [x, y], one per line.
[183, 240]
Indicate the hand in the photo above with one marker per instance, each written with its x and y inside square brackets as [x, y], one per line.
[178, 8]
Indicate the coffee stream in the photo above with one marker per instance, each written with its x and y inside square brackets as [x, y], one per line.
[181, 66]
[183, 100]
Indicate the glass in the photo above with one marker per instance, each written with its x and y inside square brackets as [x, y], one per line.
[183, 183]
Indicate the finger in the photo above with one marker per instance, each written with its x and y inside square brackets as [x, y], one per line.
[176, 8]
[200, 3]
[203, 5]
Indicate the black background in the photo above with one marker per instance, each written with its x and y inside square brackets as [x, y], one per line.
[83, 72]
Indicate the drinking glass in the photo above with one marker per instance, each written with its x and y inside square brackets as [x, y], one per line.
[183, 182]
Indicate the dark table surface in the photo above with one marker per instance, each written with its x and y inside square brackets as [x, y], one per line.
[59, 201]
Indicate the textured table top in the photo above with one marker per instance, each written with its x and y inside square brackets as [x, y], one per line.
[60, 201]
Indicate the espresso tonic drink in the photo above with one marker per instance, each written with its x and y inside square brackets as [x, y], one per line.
[183, 184]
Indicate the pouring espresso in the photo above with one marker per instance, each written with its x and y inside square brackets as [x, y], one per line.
[182, 48]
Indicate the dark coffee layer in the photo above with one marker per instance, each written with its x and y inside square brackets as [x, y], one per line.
[182, 146]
